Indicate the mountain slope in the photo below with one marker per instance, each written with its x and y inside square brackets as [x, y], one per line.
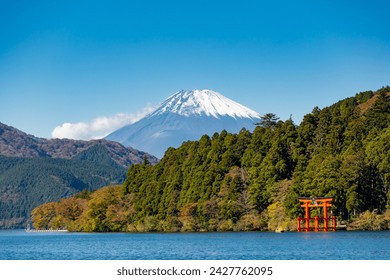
[186, 115]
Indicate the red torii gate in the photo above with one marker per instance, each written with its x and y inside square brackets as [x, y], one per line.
[328, 223]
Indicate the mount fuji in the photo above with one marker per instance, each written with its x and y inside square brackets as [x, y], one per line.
[186, 115]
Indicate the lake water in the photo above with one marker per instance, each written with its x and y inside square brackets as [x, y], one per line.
[19, 245]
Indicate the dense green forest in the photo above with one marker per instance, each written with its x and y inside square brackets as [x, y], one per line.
[28, 182]
[251, 180]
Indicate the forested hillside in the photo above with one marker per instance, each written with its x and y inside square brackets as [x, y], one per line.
[250, 181]
[28, 182]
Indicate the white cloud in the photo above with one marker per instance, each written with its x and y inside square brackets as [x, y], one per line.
[99, 127]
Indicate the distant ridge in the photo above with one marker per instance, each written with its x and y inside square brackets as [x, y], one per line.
[16, 143]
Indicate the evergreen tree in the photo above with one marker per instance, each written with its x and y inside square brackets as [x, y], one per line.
[268, 120]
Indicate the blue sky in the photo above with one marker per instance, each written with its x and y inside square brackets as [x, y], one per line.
[94, 64]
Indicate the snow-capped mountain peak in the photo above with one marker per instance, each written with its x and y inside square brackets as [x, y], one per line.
[204, 103]
[184, 116]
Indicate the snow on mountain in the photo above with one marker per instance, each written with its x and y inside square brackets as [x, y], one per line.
[204, 102]
[186, 115]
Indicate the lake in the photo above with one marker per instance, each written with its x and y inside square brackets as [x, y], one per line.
[343, 245]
